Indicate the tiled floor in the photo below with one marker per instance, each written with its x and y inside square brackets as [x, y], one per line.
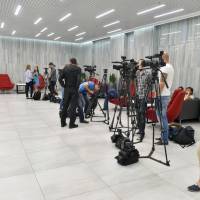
[41, 161]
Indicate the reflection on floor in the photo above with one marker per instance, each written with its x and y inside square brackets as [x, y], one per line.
[41, 161]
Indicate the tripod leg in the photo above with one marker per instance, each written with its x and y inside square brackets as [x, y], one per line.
[113, 119]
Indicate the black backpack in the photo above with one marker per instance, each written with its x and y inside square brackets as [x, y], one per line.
[37, 95]
[184, 136]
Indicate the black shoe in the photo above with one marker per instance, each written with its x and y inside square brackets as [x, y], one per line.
[84, 122]
[63, 124]
[138, 133]
[194, 188]
[159, 138]
[73, 126]
[160, 142]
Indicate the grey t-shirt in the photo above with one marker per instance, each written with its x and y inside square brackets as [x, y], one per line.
[53, 76]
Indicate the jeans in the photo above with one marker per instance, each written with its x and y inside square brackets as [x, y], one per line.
[163, 118]
[105, 105]
[85, 97]
[81, 105]
[141, 106]
[29, 85]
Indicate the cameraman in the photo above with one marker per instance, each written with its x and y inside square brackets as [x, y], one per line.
[52, 79]
[168, 76]
[143, 78]
[70, 78]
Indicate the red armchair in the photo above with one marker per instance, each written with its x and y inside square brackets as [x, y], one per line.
[5, 82]
[173, 110]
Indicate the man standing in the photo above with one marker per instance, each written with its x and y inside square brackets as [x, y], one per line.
[70, 78]
[52, 79]
[143, 78]
[166, 76]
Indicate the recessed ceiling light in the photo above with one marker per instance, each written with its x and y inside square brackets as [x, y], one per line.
[72, 28]
[38, 20]
[65, 17]
[169, 13]
[2, 25]
[115, 30]
[50, 34]
[79, 39]
[116, 22]
[38, 35]
[150, 9]
[171, 33]
[44, 29]
[83, 33]
[105, 13]
[13, 32]
[57, 38]
[18, 9]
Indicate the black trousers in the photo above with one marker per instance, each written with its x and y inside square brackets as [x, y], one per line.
[141, 106]
[27, 87]
[51, 87]
[69, 105]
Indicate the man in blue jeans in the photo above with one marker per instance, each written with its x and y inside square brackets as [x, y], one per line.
[168, 75]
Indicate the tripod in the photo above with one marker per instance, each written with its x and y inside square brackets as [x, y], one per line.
[158, 106]
[94, 102]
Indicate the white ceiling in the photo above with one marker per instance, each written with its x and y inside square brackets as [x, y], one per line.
[84, 14]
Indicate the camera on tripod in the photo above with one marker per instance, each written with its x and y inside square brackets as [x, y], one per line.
[155, 61]
[90, 69]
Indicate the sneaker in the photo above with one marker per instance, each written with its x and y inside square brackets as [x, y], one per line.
[194, 188]
[73, 126]
[160, 142]
[63, 124]
[84, 122]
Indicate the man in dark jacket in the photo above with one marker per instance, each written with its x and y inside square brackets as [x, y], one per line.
[52, 79]
[70, 79]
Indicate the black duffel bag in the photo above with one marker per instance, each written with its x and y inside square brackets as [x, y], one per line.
[185, 136]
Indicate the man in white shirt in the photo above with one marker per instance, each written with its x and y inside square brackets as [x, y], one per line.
[168, 75]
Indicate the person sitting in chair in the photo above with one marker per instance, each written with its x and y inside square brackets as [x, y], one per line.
[188, 94]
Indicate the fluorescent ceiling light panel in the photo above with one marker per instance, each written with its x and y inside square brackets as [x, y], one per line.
[19, 7]
[169, 13]
[171, 33]
[38, 35]
[73, 28]
[57, 38]
[65, 17]
[83, 33]
[79, 39]
[115, 30]
[38, 20]
[151, 9]
[50, 34]
[2, 25]
[44, 29]
[113, 23]
[105, 13]
[13, 32]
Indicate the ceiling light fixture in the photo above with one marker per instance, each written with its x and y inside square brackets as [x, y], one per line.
[105, 13]
[150, 9]
[73, 28]
[2, 25]
[114, 31]
[18, 9]
[113, 23]
[79, 39]
[169, 13]
[13, 32]
[38, 35]
[44, 29]
[50, 34]
[83, 33]
[38, 20]
[57, 38]
[65, 17]
[171, 33]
